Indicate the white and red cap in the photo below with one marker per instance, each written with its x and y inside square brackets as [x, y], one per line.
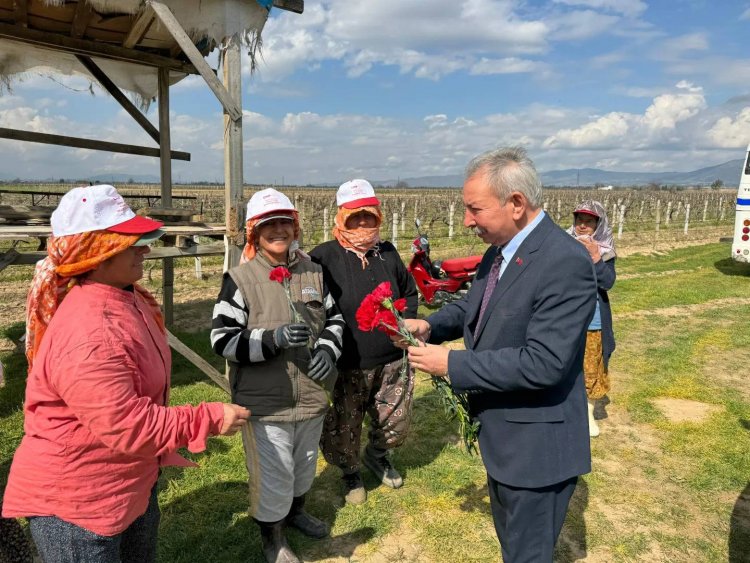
[356, 193]
[269, 204]
[98, 208]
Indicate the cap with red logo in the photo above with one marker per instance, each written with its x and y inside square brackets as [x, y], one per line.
[98, 208]
[269, 204]
[356, 193]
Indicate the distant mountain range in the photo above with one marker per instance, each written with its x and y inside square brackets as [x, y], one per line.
[728, 173]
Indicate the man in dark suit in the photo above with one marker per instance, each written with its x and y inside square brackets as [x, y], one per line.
[524, 326]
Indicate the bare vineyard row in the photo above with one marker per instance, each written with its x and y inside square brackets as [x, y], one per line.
[635, 215]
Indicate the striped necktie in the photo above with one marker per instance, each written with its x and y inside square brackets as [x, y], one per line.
[491, 283]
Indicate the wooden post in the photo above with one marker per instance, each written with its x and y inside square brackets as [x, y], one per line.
[233, 182]
[451, 211]
[721, 209]
[558, 210]
[687, 218]
[198, 265]
[395, 229]
[416, 201]
[621, 222]
[669, 212]
[705, 210]
[403, 214]
[658, 214]
[640, 211]
[325, 224]
[165, 167]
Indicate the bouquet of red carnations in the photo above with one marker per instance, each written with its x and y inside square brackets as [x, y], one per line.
[379, 311]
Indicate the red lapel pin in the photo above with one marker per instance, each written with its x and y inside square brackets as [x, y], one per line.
[519, 261]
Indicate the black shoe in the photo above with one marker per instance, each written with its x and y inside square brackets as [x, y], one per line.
[355, 492]
[304, 522]
[381, 466]
[275, 547]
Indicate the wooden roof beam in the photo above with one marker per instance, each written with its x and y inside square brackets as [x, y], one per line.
[81, 19]
[77, 46]
[79, 143]
[21, 12]
[296, 6]
[167, 18]
[140, 28]
[121, 98]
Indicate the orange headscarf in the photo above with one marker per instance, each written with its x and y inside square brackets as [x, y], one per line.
[67, 258]
[361, 239]
[248, 253]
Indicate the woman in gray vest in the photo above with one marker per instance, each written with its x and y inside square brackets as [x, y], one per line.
[281, 334]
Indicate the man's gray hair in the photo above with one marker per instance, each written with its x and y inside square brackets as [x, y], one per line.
[508, 169]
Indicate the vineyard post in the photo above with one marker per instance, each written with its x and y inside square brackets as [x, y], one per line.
[640, 211]
[705, 209]
[658, 215]
[721, 209]
[451, 211]
[394, 239]
[621, 222]
[558, 210]
[687, 218]
[416, 200]
[325, 224]
[403, 214]
[198, 270]
[668, 215]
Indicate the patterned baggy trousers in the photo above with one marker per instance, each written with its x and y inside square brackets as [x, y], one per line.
[380, 392]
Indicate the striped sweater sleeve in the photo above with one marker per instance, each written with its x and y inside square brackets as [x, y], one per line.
[331, 338]
[230, 337]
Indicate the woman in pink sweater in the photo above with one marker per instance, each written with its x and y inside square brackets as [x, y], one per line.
[97, 425]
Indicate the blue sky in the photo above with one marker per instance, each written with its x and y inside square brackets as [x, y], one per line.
[394, 89]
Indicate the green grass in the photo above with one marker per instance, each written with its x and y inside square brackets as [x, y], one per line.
[660, 490]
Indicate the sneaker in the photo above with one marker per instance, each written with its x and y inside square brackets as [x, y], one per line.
[382, 468]
[355, 489]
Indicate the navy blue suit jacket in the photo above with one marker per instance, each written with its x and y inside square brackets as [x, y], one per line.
[524, 372]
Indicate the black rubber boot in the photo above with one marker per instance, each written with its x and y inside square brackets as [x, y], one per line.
[275, 547]
[304, 522]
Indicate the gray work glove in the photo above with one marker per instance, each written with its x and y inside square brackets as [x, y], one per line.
[293, 335]
[321, 365]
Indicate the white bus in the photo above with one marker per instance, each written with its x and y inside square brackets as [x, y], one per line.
[741, 241]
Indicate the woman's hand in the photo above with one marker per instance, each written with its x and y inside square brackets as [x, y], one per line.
[235, 417]
[591, 246]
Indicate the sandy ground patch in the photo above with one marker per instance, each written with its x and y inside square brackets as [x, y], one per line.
[684, 410]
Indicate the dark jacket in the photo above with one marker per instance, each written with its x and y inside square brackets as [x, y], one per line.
[605, 279]
[349, 283]
[524, 371]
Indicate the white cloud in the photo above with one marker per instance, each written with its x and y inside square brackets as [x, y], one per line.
[732, 133]
[628, 8]
[602, 131]
[745, 15]
[581, 25]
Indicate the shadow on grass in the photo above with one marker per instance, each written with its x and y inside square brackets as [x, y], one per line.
[571, 545]
[212, 524]
[739, 523]
[729, 267]
[15, 367]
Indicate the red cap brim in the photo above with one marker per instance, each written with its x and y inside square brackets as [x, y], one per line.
[585, 212]
[138, 225]
[364, 202]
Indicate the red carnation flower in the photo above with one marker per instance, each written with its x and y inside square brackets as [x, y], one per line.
[400, 305]
[279, 274]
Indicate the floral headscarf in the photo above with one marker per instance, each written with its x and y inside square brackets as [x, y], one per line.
[67, 258]
[603, 233]
[250, 250]
[359, 240]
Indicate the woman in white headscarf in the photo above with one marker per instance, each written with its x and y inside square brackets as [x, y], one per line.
[591, 228]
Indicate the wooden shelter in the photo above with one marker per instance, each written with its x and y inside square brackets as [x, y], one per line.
[141, 47]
